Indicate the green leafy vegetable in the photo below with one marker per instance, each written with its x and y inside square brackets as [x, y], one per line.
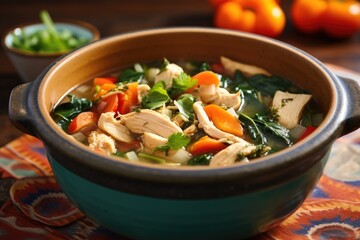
[48, 38]
[267, 125]
[252, 129]
[270, 84]
[175, 142]
[185, 105]
[258, 126]
[200, 159]
[181, 84]
[65, 112]
[130, 75]
[156, 97]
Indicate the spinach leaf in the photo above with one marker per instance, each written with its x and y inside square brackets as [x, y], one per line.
[130, 75]
[261, 128]
[156, 97]
[252, 129]
[270, 84]
[200, 159]
[267, 125]
[65, 112]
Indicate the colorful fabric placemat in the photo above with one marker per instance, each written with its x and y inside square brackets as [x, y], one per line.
[34, 207]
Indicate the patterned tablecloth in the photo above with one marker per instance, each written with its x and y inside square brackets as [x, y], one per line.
[34, 207]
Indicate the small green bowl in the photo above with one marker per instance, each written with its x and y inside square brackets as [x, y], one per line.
[30, 64]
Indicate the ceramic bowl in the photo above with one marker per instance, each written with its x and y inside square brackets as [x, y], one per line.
[30, 64]
[148, 201]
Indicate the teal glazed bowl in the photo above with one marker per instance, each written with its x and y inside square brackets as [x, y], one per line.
[147, 201]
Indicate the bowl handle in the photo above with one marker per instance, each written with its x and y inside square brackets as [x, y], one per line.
[351, 83]
[19, 113]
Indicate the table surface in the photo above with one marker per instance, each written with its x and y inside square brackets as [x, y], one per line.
[118, 16]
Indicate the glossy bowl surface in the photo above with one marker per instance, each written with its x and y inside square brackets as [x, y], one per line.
[30, 64]
[148, 201]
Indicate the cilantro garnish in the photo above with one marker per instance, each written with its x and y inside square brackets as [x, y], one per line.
[175, 142]
[181, 84]
[156, 97]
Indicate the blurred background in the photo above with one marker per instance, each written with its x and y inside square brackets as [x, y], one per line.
[119, 16]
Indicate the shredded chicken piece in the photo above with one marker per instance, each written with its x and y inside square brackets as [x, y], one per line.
[109, 124]
[209, 93]
[289, 107]
[231, 154]
[208, 126]
[171, 71]
[191, 130]
[231, 66]
[149, 121]
[101, 141]
[219, 96]
[143, 89]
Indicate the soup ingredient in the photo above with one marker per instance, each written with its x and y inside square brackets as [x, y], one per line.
[262, 17]
[206, 145]
[223, 120]
[101, 142]
[109, 124]
[289, 107]
[150, 121]
[171, 149]
[233, 153]
[65, 112]
[156, 97]
[47, 40]
[209, 127]
[82, 120]
[307, 132]
[337, 18]
[209, 119]
[230, 67]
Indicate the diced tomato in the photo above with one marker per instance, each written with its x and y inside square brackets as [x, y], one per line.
[103, 80]
[81, 121]
[129, 98]
[108, 104]
[104, 88]
[307, 132]
[217, 67]
[124, 103]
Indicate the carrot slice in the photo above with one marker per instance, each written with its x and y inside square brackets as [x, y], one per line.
[223, 120]
[82, 120]
[206, 145]
[205, 78]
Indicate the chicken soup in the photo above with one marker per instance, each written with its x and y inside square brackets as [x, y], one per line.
[189, 113]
